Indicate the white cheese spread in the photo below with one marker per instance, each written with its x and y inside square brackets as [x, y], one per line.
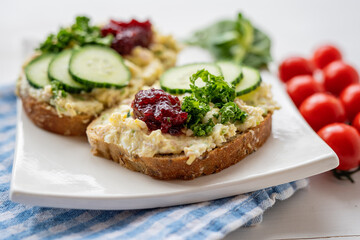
[132, 135]
[145, 64]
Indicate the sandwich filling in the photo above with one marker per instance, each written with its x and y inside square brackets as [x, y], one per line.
[145, 63]
[120, 126]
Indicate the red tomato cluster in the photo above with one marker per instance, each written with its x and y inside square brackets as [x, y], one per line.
[327, 103]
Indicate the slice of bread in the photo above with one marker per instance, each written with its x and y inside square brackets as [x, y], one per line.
[166, 167]
[45, 116]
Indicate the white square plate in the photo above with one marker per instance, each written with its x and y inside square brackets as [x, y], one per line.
[56, 171]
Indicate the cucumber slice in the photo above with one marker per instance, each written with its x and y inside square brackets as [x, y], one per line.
[36, 71]
[232, 72]
[251, 80]
[59, 71]
[176, 80]
[99, 67]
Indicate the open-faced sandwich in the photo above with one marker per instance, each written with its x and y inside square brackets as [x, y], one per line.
[206, 117]
[83, 70]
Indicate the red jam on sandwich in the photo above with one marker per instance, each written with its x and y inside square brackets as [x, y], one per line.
[159, 110]
[128, 35]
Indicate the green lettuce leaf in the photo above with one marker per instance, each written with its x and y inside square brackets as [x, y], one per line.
[235, 40]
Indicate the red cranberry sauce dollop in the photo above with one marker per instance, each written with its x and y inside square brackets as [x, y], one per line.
[128, 35]
[159, 110]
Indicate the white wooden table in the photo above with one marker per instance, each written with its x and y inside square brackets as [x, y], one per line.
[328, 208]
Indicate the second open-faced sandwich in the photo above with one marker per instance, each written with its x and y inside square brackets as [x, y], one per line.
[205, 118]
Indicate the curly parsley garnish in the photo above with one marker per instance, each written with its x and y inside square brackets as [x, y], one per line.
[79, 34]
[57, 89]
[230, 112]
[196, 112]
[215, 91]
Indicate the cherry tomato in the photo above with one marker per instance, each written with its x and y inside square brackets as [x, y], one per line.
[294, 66]
[321, 109]
[338, 75]
[325, 55]
[301, 87]
[345, 141]
[356, 122]
[350, 98]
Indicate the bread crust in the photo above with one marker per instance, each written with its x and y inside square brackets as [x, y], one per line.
[45, 116]
[166, 167]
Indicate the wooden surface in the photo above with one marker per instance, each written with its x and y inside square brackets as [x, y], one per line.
[327, 209]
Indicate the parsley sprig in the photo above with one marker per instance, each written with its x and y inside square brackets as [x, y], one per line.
[57, 89]
[196, 112]
[79, 34]
[230, 112]
[215, 91]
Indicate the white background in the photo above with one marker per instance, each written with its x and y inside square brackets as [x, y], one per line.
[327, 208]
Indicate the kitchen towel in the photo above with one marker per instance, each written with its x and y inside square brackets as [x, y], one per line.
[205, 220]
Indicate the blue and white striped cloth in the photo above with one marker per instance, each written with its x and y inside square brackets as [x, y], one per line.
[206, 220]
